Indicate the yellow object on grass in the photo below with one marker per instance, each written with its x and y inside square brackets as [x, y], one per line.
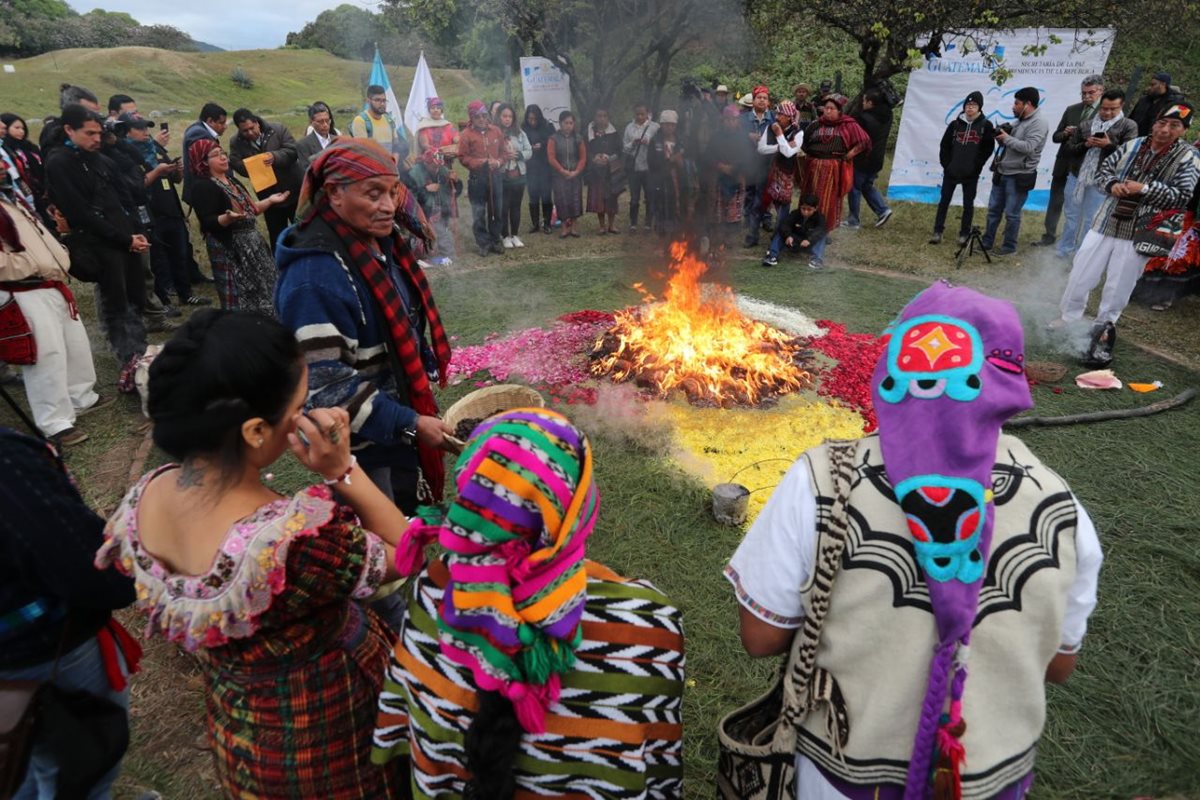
[1145, 387]
[726, 445]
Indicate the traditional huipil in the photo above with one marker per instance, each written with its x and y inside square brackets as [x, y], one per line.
[964, 554]
[244, 271]
[590, 664]
[828, 173]
[292, 663]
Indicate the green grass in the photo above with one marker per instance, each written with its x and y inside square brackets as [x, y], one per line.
[1124, 724]
[178, 84]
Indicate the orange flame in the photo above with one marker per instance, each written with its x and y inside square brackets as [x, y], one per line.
[696, 341]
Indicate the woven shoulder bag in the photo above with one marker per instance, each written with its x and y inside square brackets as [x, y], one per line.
[758, 741]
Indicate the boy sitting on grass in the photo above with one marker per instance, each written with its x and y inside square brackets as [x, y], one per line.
[802, 231]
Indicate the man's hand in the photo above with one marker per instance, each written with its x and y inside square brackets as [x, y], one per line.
[806, 243]
[1096, 141]
[1133, 188]
[431, 187]
[789, 241]
[1001, 136]
[432, 431]
[163, 137]
[138, 244]
[270, 159]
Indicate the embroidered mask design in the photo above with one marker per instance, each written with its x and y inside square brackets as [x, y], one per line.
[945, 516]
[930, 356]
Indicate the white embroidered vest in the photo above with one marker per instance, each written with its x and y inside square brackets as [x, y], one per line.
[879, 634]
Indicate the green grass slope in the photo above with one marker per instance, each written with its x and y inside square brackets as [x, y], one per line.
[285, 81]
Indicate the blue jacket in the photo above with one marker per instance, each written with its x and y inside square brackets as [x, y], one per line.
[324, 299]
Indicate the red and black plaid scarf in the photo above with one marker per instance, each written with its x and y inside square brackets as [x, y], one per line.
[404, 340]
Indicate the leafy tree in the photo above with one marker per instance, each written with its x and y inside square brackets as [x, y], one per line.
[601, 45]
[352, 32]
[888, 34]
[30, 27]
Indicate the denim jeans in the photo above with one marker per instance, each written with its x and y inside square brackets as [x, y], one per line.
[1068, 243]
[777, 246]
[969, 187]
[864, 188]
[1005, 201]
[80, 670]
[1093, 198]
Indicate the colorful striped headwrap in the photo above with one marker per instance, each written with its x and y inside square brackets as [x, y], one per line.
[198, 156]
[352, 160]
[515, 542]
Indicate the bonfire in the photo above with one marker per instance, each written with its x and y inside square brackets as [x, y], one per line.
[695, 340]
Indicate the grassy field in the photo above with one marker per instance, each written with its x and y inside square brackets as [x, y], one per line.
[1122, 726]
[178, 84]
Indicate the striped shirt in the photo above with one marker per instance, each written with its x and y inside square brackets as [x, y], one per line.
[614, 733]
[1169, 181]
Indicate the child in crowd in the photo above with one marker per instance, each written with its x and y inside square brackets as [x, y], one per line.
[567, 154]
[803, 230]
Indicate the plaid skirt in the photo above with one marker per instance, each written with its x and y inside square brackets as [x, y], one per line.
[244, 273]
[302, 730]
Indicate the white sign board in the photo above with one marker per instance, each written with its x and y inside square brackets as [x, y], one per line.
[937, 90]
[546, 86]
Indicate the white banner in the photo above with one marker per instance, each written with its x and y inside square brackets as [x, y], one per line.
[546, 86]
[937, 90]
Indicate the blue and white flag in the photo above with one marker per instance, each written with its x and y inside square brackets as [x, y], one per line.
[379, 78]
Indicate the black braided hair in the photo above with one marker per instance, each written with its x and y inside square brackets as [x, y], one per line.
[491, 747]
[219, 370]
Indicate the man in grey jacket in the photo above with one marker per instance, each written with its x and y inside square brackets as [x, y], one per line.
[1015, 168]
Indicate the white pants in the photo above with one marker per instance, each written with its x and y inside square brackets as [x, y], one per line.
[62, 380]
[1099, 254]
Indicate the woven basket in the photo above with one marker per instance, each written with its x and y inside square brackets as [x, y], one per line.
[490, 400]
[1045, 371]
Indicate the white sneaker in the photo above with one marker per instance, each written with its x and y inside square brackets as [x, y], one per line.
[516, 240]
[508, 243]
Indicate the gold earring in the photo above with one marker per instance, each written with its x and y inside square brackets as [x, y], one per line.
[260, 442]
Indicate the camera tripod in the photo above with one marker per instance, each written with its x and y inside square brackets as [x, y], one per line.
[967, 248]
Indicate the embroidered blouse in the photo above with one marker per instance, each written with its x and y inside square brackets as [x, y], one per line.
[282, 579]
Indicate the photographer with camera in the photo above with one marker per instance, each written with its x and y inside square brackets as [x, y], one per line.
[171, 246]
[1015, 168]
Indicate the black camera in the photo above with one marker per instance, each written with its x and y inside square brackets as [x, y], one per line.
[1006, 128]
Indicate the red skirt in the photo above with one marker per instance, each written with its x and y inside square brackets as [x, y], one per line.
[830, 180]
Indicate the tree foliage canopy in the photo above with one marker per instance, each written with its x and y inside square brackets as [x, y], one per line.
[352, 32]
[32, 27]
[601, 45]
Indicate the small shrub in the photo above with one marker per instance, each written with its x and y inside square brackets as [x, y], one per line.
[240, 78]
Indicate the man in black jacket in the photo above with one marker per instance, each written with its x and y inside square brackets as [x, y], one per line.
[1065, 161]
[273, 141]
[170, 252]
[875, 117]
[801, 231]
[1157, 97]
[966, 147]
[104, 242]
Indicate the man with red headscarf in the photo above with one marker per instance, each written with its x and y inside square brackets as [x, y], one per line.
[365, 317]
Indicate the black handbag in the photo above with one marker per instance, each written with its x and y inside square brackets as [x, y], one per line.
[85, 734]
[757, 742]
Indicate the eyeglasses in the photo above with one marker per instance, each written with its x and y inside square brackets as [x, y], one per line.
[214, 154]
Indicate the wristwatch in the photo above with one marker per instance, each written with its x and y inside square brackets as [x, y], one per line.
[409, 435]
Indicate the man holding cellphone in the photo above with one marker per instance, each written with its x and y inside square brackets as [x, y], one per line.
[1092, 142]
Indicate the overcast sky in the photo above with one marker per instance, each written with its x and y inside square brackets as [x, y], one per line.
[231, 24]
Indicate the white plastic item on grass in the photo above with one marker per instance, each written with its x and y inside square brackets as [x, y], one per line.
[1098, 379]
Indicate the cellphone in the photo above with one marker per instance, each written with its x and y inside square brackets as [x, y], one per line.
[166, 126]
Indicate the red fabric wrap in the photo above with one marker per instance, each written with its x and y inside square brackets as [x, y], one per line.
[403, 337]
[109, 639]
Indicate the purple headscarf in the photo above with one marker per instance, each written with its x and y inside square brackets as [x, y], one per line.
[951, 375]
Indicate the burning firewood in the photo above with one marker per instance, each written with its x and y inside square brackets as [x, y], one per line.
[697, 342]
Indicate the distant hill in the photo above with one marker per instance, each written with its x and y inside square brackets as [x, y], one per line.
[178, 84]
[205, 47]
